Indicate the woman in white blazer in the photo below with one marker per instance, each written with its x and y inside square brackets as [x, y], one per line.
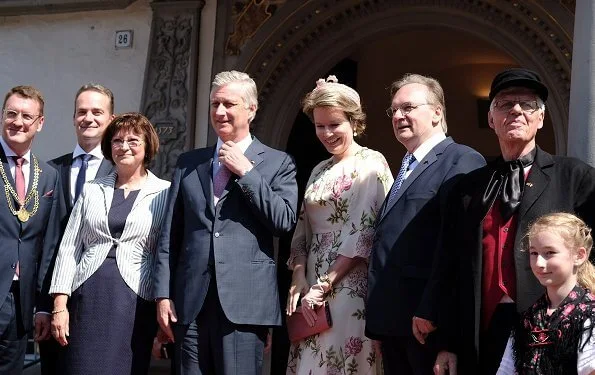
[104, 312]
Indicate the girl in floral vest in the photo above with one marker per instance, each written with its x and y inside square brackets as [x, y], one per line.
[556, 334]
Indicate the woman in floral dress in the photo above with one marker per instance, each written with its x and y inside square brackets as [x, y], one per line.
[334, 236]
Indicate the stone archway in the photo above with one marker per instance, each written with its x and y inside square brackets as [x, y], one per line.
[287, 55]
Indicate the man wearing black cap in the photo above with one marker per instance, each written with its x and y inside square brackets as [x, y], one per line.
[483, 270]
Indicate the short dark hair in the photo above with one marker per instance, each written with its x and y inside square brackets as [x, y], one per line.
[131, 122]
[97, 88]
[27, 92]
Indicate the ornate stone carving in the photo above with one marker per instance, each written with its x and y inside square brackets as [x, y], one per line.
[169, 94]
[311, 25]
[249, 16]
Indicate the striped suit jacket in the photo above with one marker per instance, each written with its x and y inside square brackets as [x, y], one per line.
[88, 240]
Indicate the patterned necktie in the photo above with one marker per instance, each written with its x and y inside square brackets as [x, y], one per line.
[81, 178]
[407, 160]
[19, 178]
[219, 182]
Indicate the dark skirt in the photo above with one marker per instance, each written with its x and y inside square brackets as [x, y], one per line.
[111, 327]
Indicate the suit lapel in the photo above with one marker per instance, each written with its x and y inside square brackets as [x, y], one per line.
[424, 164]
[6, 166]
[536, 183]
[105, 168]
[107, 188]
[205, 172]
[65, 178]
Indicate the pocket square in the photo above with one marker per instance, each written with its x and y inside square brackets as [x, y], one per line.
[49, 194]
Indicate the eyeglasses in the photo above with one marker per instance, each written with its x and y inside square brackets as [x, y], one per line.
[12, 116]
[132, 143]
[528, 106]
[405, 109]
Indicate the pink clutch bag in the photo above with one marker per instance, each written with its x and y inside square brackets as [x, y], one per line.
[298, 329]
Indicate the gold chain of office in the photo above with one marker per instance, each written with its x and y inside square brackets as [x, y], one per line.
[22, 214]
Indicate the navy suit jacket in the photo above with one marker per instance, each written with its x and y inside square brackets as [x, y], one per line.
[32, 243]
[407, 237]
[232, 241]
[63, 164]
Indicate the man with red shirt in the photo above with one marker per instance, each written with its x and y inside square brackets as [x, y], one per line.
[483, 272]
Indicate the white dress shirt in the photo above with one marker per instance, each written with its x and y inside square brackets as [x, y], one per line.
[92, 166]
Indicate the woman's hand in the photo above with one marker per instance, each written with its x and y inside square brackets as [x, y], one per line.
[299, 286]
[60, 326]
[311, 301]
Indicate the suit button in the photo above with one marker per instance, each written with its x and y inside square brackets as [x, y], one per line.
[20, 241]
[13, 266]
[216, 234]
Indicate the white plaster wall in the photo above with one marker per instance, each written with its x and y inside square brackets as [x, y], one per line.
[58, 53]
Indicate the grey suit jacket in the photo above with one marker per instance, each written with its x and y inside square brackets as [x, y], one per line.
[232, 241]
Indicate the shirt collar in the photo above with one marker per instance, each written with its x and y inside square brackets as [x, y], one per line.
[428, 145]
[96, 152]
[243, 144]
[9, 152]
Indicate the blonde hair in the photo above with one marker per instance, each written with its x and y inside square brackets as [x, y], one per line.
[331, 93]
[575, 234]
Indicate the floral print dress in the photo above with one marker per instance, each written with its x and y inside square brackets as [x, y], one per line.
[337, 218]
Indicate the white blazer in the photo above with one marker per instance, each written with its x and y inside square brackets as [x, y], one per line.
[87, 239]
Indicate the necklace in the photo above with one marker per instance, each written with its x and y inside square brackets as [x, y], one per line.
[22, 214]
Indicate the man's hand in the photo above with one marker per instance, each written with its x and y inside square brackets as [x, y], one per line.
[446, 363]
[43, 324]
[166, 314]
[233, 158]
[422, 328]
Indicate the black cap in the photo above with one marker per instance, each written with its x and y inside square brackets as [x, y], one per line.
[518, 77]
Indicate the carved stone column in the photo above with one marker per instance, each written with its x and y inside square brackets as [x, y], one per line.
[581, 125]
[169, 92]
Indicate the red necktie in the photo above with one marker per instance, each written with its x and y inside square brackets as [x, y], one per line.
[19, 180]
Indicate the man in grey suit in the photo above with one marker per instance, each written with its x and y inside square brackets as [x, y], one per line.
[215, 276]
[408, 226]
[93, 111]
[30, 212]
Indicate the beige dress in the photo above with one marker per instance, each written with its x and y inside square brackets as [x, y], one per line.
[337, 218]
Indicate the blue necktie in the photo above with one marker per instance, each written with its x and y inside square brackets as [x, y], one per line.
[407, 160]
[82, 176]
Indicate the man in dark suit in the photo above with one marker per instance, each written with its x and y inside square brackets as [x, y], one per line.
[216, 258]
[483, 260]
[93, 111]
[408, 227]
[30, 213]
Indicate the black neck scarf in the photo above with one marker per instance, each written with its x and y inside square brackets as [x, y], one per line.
[508, 182]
